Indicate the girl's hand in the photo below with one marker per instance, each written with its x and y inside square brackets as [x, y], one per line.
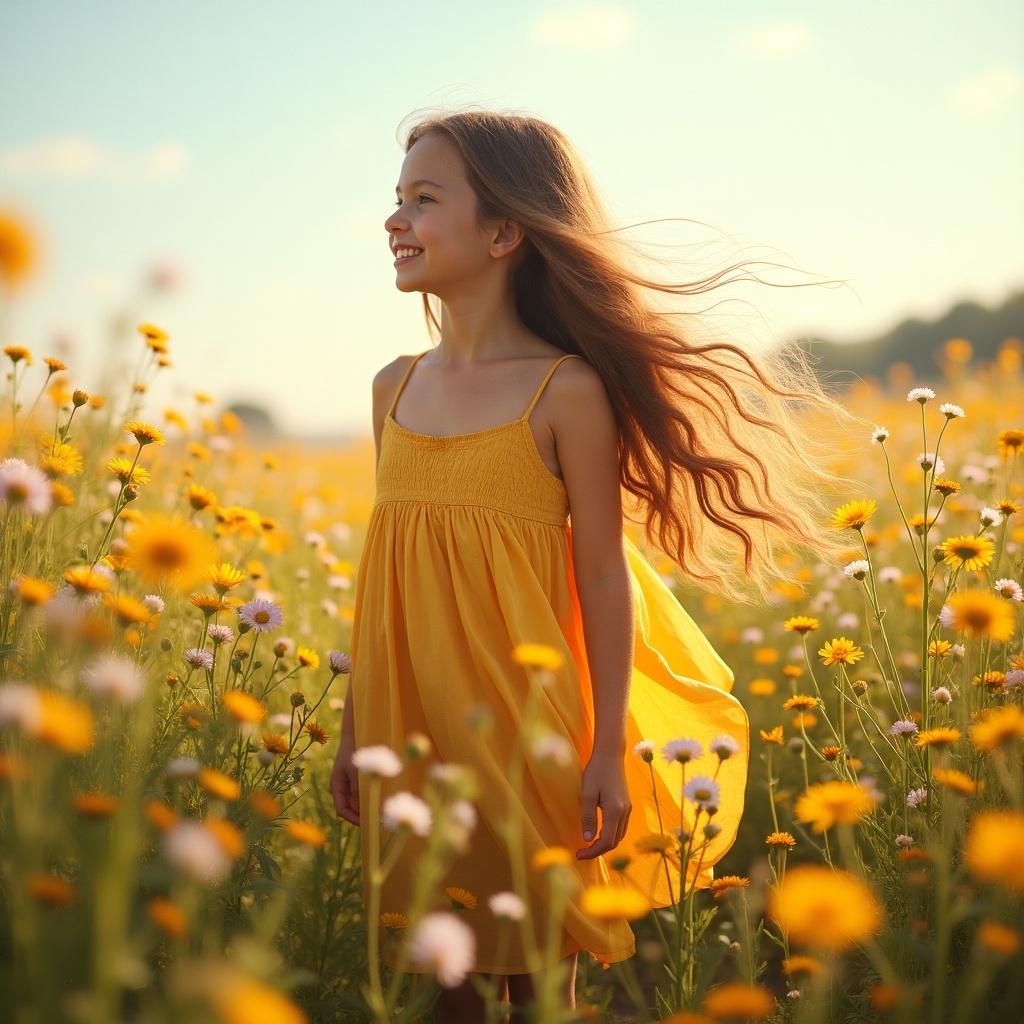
[344, 774]
[604, 784]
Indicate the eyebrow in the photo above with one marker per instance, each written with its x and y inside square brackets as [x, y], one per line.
[422, 181]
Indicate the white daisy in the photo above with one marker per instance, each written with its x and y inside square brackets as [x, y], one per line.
[929, 460]
[920, 395]
[879, 434]
[857, 570]
[990, 516]
[644, 750]
[1010, 589]
[951, 411]
[183, 768]
[724, 746]
[408, 811]
[848, 621]
[154, 603]
[889, 574]
[339, 662]
[111, 675]
[198, 657]
[191, 847]
[377, 760]
[445, 943]
[553, 748]
[20, 706]
[507, 904]
[25, 486]
[682, 750]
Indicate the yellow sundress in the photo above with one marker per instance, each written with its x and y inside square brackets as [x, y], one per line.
[468, 552]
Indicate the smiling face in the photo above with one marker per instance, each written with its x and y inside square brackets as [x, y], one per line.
[436, 212]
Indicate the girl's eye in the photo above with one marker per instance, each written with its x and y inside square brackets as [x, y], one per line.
[398, 202]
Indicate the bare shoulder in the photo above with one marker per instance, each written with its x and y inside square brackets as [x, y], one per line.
[580, 401]
[387, 378]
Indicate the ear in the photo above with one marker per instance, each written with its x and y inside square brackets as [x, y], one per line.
[509, 238]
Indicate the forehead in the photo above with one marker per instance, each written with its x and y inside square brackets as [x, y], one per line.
[435, 158]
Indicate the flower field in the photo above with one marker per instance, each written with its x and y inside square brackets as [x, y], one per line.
[175, 614]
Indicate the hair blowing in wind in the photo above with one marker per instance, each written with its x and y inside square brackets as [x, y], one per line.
[712, 448]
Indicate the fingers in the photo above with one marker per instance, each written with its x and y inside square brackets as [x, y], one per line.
[613, 829]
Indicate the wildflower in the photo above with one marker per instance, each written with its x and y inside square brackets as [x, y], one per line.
[720, 886]
[996, 727]
[772, 736]
[154, 603]
[17, 353]
[833, 910]
[224, 576]
[889, 574]
[956, 780]
[111, 675]
[738, 999]
[549, 857]
[761, 687]
[507, 905]
[724, 746]
[994, 848]
[644, 749]
[95, 805]
[183, 768]
[168, 549]
[127, 609]
[31, 591]
[703, 791]
[613, 903]
[538, 656]
[931, 461]
[339, 662]
[446, 944]
[168, 916]
[831, 803]
[951, 411]
[941, 695]
[306, 832]
[946, 487]
[999, 938]
[128, 473]
[840, 651]
[377, 760]
[879, 435]
[243, 707]
[801, 965]
[904, 727]
[308, 658]
[194, 849]
[801, 624]
[990, 516]
[220, 634]
[404, 810]
[968, 552]
[25, 486]
[854, 514]
[261, 615]
[682, 750]
[1010, 589]
[144, 433]
[316, 732]
[60, 459]
[51, 889]
[219, 784]
[903, 841]
[208, 604]
[921, 395]
[553, 748]
[940, 737]
[831, 752]
[858, 569]
[979, 614]
[1010, 442]
[916, 797]
[800, 702]
[200, 497]
[939, 648]
[199, 657]
[781, 839]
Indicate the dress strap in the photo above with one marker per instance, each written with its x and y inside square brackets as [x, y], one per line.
[401, 387]
[544, 382]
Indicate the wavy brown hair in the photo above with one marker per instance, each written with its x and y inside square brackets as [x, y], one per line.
[708, 440]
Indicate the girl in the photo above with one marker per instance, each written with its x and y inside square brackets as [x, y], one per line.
[554, 385]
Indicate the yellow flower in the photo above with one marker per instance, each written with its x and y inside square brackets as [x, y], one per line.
[316, 731]
[998, 938]
[461, 897]
[246, 1001]
[274, 743]
[956, 780]
[720, 886]
[265, 804]
[59, 459]
[968, 552]
[160, 815]
[998, 726]
[17, 353]
[762, 687]
[17, 251]
[128, 609]
[219, 784]
[51, 889]
[224, 577]
[208, 604]
[393, 919]
[738, 999]
[86, 580]
[243, 707]
[801, 624]
[613, 903]
[941, 737]
[228, 835]
[981, 614]
[31, 591]
[308, 658]
[819, 907]
[994, 848]
[940, 649]
[801, 965]
[784, 839]
[168, 917]
[123, 469]
[62, 494]
[854, 514]
[1010, 441]
[162, 548]
[772, 736]
[306, 832]
[144, 433]
[836, 802]
[655, 842]
[550, 856]
[800, 702]
[152, 333]
[63, 723]
[95, 805]
[200, 498]
[946, 487]
[537, 656]
[840, 651]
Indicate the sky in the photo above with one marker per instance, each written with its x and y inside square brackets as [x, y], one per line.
[253, 148]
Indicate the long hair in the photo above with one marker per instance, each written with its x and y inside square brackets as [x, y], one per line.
[707, 441]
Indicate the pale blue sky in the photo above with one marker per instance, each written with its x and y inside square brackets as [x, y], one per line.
[253, 145]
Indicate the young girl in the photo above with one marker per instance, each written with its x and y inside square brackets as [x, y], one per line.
[553, 387]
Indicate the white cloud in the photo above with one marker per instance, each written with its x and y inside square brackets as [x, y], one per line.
[584, 26]
[75, 157]
[780, 41]
[987, 93]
